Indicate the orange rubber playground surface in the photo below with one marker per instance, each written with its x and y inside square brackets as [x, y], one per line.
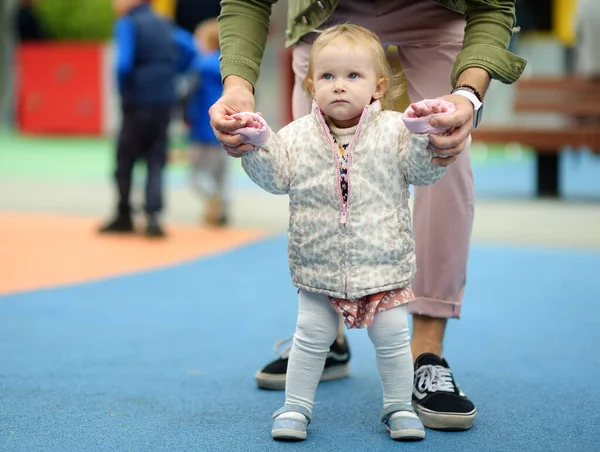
[42, 251]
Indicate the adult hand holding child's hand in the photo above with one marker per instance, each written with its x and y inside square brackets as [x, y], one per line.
[417, 119]
[417, 116]
[256, 131]
[237, 96]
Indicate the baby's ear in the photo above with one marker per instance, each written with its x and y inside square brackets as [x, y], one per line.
[382, 86]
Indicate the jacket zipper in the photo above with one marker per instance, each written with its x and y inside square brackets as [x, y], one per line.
[338, 188]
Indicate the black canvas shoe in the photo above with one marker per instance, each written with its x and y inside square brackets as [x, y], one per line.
[121, 224]
[437, 399]
[272, 376]
[153, 228]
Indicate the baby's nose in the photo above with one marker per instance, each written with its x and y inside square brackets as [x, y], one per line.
[339, 86]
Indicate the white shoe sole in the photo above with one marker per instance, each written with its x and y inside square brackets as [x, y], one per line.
[407, 435]
[445, 421]
[287, 434]
[277, 382]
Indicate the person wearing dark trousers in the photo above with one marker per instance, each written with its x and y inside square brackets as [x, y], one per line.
[149, 55]
[143, 135]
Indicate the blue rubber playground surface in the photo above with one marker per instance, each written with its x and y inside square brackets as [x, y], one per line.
[163, 360]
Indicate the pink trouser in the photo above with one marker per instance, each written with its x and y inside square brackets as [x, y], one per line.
[428, 38]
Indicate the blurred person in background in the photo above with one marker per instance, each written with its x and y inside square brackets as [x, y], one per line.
[447, 48]
[150, 51]
[187, 15]
[587, 31]
[208, 161]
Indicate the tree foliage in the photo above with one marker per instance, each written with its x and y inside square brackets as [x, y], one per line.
[77, 20]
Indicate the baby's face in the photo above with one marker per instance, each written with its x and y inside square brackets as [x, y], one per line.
[345, 81]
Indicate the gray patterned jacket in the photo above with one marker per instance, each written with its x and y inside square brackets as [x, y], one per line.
[364, 246]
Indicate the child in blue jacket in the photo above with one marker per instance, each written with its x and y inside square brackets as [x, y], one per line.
[150, 54]
[208, 159]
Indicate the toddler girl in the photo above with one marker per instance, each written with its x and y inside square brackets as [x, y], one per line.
[347, 168]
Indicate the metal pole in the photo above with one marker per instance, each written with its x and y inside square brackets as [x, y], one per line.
[7, 46]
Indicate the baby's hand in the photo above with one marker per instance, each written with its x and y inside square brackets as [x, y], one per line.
[256, 130]
[416, 117]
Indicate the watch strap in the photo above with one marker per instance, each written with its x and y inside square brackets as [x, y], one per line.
[470, 88]
[469, 95]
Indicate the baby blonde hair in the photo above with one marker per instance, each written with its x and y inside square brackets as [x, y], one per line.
[357, 35]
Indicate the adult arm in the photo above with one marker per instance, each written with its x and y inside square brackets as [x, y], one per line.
[488, 32]
[484, 57]
[243, 31]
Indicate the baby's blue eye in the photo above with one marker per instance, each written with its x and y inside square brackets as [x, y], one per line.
[353, 75]
[327, 76]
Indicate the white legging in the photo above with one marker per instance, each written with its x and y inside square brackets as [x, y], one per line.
[316, 329]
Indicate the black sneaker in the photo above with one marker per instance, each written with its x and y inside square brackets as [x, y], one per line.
[437, 399]
[153, 228]
[272, 376]
[121, 224]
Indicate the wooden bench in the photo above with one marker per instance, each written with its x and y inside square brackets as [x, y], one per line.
[576, 99]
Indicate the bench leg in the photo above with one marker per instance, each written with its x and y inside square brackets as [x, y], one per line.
[547, 176]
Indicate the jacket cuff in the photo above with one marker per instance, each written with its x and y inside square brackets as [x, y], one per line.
[501, 64]
[240, 66]
[420, 140]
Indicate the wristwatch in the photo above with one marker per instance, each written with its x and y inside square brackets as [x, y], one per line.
[474, 96]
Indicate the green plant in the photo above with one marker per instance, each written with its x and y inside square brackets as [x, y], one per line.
[77, 20]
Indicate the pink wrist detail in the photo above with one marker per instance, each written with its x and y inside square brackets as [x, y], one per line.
[257, 131]
[420, 124]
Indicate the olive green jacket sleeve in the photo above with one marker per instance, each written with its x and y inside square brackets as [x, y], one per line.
[243, 31]
[244, 26]
[488, 32]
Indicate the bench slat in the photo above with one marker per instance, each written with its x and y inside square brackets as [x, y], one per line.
[560, 83]
[572, 96]
[542, 140]
[555, 106]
